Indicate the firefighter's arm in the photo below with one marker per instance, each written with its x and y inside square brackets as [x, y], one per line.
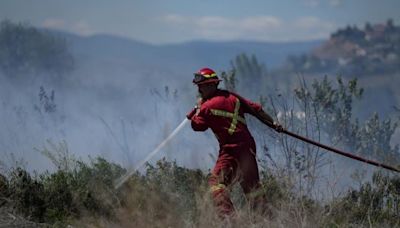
[267, 119]
[256, 110]
[195, 111]
[198, 118]
[199, 123]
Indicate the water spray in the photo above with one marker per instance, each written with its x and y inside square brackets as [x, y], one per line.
[124, 178]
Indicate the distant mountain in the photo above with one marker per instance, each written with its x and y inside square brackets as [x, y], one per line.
[219, 54]
[182, 56]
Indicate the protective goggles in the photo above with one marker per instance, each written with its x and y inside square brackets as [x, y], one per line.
[202, 77]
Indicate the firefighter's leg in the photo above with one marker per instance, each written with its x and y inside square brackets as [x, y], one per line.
[220, 181]
[250, 181]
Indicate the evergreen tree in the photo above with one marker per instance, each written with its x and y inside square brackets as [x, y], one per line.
[25, 50]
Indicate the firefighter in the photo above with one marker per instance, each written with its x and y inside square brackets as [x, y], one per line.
[223, 112]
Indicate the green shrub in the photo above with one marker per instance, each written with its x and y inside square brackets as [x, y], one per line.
[375, 203]
[3, 189]
[27, 194]
[168, 195]
[65, 194]
[164, 192]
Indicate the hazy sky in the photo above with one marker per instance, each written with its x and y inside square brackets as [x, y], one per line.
[171, 21]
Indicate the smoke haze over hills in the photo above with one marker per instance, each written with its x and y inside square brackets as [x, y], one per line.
[122, 98]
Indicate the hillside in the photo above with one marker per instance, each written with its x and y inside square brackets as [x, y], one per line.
[370, 54]
[372, 50]
[183, 56]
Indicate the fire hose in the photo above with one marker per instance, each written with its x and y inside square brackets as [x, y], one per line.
[349, 155]
[124, 178]
[302, 138]
[331, 149]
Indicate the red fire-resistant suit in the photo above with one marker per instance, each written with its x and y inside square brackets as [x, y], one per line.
[224, 114]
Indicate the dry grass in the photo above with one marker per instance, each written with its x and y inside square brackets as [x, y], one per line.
[171, 196]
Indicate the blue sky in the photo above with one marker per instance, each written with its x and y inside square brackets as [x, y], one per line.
[173, 21]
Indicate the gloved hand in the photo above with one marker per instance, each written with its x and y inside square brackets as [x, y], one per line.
[277, 127]
[191, 113]
[195, 110]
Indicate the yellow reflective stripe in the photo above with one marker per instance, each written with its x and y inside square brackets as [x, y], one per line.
[241, 119]
[223, 113]
[210, 75]
[235, 116]
[217, 187]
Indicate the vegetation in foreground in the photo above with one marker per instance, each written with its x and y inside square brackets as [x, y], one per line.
[168, 195]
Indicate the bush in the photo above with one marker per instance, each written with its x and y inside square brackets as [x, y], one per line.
[3, 189]
[27, 194]
[65, 194]
[375, 203]
[168, 195]
[165, 194]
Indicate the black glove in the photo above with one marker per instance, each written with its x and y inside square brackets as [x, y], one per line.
[277, 127]
[191, 113]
